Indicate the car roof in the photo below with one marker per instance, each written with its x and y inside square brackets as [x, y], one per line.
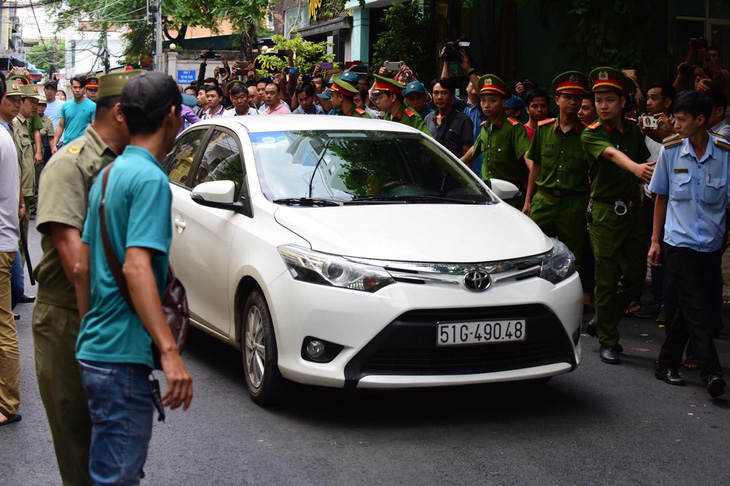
[275, 123]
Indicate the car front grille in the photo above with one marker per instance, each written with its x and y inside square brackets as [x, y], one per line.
[407, 346]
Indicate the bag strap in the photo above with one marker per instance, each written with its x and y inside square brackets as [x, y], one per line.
[111, 258]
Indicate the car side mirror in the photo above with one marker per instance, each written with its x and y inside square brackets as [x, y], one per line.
[503, 189]
[217, 194]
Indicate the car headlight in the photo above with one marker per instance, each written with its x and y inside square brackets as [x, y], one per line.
[324, 269]
[558, 264]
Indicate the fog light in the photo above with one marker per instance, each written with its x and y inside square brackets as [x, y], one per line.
[319, 350]
[315, 349]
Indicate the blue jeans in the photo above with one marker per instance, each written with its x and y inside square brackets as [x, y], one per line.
[121, 412]
[17, 280]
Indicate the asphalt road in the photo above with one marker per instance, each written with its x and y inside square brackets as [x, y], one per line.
[601, 424]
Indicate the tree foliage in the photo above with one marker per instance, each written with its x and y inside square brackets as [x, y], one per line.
[306, 54]
[43, 55]
[597, 32]
[404, 27]
[131, 16]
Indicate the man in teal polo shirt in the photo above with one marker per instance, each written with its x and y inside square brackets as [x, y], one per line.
[76, 114]
[113, 347]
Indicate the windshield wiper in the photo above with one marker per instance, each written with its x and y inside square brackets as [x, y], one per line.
[415, 199]
[307, 201]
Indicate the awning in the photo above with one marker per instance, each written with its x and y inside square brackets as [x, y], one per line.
[326, 27]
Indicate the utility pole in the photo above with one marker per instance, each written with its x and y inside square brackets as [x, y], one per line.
[158, 35]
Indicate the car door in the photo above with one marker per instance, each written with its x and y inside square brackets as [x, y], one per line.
[205, 235]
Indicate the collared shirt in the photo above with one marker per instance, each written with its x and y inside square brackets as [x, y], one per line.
[63, 197]
[26, 154]
[608, 180]
[219, 113]
[281, 109]
[138, 214]
[408, 117]
[300, 111]
[503, 143]
[561, 156]
[722, 129]
[459, 132]
[232, 112]
[427, 111]
[9, 193]
[698, 193]
[477, 117]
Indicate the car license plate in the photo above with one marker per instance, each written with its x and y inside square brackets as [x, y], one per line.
[481, 332]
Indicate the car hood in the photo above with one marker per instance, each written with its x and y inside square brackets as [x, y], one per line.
[416, 232]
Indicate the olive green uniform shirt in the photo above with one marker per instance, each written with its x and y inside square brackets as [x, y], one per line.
[47, 129]
[561, 156]
[503, 144]
[26, 152]
[408, 117]
[356, 112]
[608, 180]
[63, 198]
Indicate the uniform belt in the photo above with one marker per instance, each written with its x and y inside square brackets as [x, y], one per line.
[632, 203]
[560, 192]
[620, 207]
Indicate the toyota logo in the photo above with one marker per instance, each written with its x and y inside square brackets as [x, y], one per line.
[477, 280]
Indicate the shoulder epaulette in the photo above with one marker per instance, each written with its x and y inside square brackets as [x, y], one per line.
[547, 121]
[482, 123]
[722, 144]
[584, 124]
[359, 111]
[716, 135]
[513, 122]
[672, 139]
[410, 113]
[76, 146]
[594, 125]
[631, 119]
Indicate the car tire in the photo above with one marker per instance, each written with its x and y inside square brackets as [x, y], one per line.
[258, 349]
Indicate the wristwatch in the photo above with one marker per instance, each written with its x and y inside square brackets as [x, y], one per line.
[471, 71]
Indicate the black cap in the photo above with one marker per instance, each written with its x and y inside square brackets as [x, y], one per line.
[150, 95]
[51, 82]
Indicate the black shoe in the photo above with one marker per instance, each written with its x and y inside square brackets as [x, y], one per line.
[648, 311]
[26, 299]
[32, 216]
[590, 329]
[670, 376]
[716, 386]
[609, 354]
[17, 317]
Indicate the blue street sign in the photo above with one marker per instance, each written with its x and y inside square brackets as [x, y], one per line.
[185, 76]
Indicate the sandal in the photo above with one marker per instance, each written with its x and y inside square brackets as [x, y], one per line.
[634, 307]
[11, 418]
[691, 363]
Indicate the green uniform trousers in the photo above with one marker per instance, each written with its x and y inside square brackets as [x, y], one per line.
[55, 330]
[563, 217]
[9, 348]
[620, 249]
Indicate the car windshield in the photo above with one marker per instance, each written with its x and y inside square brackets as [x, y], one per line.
[324, 168]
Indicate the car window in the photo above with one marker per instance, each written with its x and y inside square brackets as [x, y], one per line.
[178, 162]
[347, 166]
[221, 161]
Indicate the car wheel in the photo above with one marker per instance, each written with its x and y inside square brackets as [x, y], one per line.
[265, 383]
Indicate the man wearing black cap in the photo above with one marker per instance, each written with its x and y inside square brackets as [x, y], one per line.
[63, 201]
[114, 343]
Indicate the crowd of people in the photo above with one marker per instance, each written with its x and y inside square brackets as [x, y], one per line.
[620, 175]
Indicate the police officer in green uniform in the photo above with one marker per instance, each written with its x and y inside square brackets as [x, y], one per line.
[389, 98]
[35, 123]
[502, 140]
[92, 88]
[342, 94]
[23, 137]
[617, 156]
[557, 189]
[63, 202]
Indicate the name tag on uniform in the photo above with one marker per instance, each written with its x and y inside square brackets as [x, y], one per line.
[681, 171]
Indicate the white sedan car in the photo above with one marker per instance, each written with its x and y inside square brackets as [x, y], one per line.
[360, 253]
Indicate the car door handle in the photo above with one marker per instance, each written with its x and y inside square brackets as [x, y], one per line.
[180, 224]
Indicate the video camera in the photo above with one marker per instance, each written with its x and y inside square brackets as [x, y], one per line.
[208, 54]
[452, 49]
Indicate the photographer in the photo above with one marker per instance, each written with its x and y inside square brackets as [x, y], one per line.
[209, 54]
[709, 60]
